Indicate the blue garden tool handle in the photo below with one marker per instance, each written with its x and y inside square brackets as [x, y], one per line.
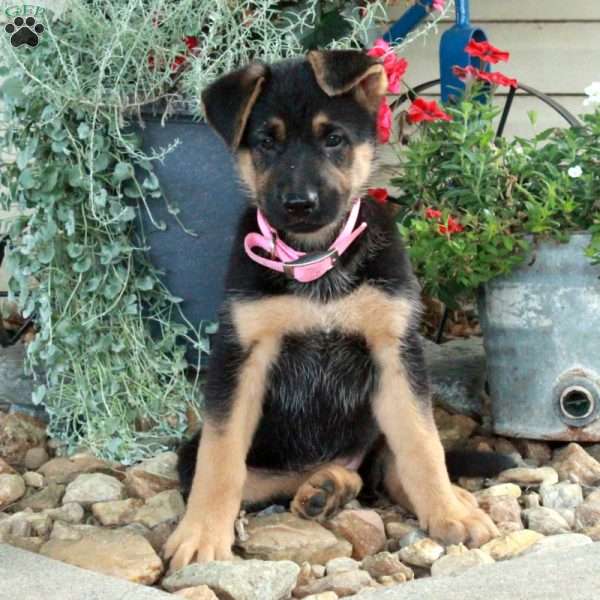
[408, 21]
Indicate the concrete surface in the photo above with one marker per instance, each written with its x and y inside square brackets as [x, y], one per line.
[562, 575]
[28, 576]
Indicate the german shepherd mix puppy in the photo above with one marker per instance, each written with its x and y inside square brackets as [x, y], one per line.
[307, 378]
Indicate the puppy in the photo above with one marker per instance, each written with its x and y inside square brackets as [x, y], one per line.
[317, 362]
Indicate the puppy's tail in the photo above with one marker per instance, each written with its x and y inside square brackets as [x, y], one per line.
[470, 463]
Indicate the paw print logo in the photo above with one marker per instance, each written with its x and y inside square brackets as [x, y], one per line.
[24, 31]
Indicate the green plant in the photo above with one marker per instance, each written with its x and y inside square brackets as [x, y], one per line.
[472, 205]
[75, 171]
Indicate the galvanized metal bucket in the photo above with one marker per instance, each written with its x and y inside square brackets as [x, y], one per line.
[541, 325]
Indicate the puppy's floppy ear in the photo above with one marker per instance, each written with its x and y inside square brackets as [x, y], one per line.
[229, 101]
[339, 71]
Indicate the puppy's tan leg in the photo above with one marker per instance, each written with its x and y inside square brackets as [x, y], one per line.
[417, 470]
[206, 530]
[325, 492]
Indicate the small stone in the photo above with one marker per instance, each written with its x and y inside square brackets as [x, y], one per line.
[89, 488]
[574, 464]
[63, 531]
[545, 521]
[305, 575]
[363, 528]
[35, 458]
[563, 541]
[471, 484]
[593, 532]
[18, 434]
[116, 512]
[512, 544]
[531, 500]
[12, 487]
[48, 497]
[501, 489]
[454, 564]
[164, 506]
[69, 513]
[398, 529]
[285, 536]
[385, 563]
[157, 536]
[322, 596]
[200, 592]
[29, 543]
[453, 429]
[539, 453]
[112, 552]
[422, 553]
[318, 571]
[528, 476]
[238, 580]
[5, 468]
[343, 584]
[502, 509]
[340, 565]
[153, 476]
[410, 538]
[505, 446]
[563, 495]
[587, 515]
[33, 479]
[65, 470]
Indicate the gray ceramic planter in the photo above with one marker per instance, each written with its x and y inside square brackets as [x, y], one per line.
[540, 327]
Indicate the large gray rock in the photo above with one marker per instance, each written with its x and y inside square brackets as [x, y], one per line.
[15, 386]
[12, 487]
[89, 488]
[239, 580]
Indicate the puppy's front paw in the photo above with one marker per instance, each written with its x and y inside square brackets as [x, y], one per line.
[195, 541]
[461, 521]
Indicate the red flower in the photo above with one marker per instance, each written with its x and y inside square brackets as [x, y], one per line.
[486, 52]
[395, 67]
[380, 48]
[380, 195]
[191, 41]
[432, 213]
[384, 122]
[453, 226]
[495, 78]
[421, 110]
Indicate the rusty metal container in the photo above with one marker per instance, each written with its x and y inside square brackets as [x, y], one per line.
[541, 327]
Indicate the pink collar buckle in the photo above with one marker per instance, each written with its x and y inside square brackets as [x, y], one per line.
[301, 266]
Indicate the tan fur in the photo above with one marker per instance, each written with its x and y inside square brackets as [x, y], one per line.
[246, 170]
[262, 485]
[206, 533]
[278, 129]
[319, 122]
[361, 168]
[242, 117]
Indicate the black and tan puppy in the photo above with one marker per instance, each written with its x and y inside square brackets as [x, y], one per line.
[306, 379]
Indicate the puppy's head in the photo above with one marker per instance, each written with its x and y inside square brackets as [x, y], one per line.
[303, 133]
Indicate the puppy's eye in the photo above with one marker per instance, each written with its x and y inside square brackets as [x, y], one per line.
[333, 140]
[267, 143]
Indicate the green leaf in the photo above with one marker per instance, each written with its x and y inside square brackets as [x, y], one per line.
[83, 131]
[13, 89]
[144, 283]
[122, 171]
[27, 180]
[82, 265]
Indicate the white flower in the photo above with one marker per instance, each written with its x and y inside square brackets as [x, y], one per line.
[592, 92]
[575, 172]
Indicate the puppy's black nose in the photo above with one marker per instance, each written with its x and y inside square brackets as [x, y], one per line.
[300, 205]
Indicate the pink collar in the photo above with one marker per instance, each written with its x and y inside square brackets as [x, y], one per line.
[300, 266]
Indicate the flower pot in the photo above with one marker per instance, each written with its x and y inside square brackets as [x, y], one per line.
[197, 177]
[540, 326]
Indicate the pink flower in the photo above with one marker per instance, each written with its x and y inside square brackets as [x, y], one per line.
[380, 195]
[421, 110]
[380, 48]
[384, 122]
[438, 5]
[395, 67]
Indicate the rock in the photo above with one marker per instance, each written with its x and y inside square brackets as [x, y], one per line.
[453, 429]
[454, 564]
[422, 553]
[65, 470]
[89, 488]
[385, 563]
[527, 476]
[340, 565]
[164, 506]
[30, 543]
[112, 552]
[64, 531]
[412, 537]
[322, 596]
[398, 529]
[502, 509]
[157, 536]
[471, 484]
[318, 571]
[574, 464]
[512, 544]
[343, 584]
[531, 500]
[587, 515]
[48, 497]
[362, 528]
[539, 453]
[545, 521]
[35, 458]
[306, 575]
[593, 532]
[18, 434]
[116, 512]
[200, 592]
[153, 476]
[33, 479]
[238, 580]
[69, 513]
[12, 487]
[501, 489]
[5, 468]
[563, 495]
[284, 536]
[563, 541]
[26, 524]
